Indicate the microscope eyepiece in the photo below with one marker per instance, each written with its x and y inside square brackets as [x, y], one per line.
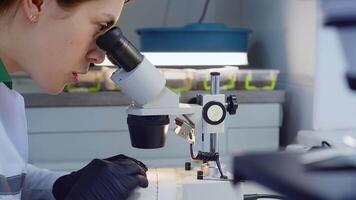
[119, 50]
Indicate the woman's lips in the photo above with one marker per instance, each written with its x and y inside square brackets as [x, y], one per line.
[74, 78]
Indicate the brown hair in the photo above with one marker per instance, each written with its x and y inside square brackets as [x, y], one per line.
[73, 3]
[5, 5]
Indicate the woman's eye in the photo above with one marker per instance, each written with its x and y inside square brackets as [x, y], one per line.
[103, 26]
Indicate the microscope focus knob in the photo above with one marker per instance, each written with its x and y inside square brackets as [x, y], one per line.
[232, 104]
[214, 112]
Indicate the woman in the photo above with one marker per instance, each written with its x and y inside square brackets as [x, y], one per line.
[54, 41]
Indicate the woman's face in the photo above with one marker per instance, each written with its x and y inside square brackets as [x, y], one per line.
[62, 42]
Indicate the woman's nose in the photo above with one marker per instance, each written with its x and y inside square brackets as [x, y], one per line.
[96, 56]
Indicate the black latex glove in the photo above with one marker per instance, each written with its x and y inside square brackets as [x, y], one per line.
[122, 159]
[111, 178]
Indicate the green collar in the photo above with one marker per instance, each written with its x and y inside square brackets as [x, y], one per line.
[5, 76]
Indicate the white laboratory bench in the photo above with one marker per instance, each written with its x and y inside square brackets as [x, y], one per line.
[65, 130]
[65, 133]
[74, 134]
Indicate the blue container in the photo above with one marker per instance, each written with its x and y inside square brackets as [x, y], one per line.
[211, 37]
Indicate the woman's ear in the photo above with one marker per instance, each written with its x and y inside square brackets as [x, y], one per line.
[33, 9]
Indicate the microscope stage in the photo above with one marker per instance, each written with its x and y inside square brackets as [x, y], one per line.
[178, 184]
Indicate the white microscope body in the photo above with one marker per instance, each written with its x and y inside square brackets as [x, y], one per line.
[151, 97]
[152, 103]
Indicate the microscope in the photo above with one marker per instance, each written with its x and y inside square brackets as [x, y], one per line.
[153, 104]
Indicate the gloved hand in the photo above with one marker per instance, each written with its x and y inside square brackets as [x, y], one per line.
[111, 178]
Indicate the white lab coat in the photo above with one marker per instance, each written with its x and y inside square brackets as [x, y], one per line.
[19, 180]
